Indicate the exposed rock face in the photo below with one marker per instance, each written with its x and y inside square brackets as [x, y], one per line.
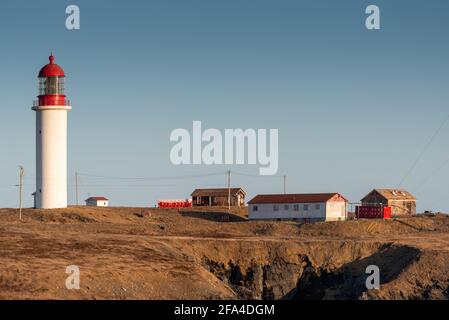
[267, 282]
[329, 274]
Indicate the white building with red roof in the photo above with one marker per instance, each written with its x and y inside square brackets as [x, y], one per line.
[97, 202]
[310, 207]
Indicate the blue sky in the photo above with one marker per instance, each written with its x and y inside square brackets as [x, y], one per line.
[354, 108]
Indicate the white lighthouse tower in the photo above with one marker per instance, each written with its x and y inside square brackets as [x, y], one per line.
[51, 138]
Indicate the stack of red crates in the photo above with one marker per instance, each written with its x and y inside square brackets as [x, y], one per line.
[373, 212]
[175, 204]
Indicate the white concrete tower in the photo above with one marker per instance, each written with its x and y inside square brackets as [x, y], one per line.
[51, 138]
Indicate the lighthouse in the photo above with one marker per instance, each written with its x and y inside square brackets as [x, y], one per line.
[51, 138]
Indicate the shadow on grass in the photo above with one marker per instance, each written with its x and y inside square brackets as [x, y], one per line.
[213, 216]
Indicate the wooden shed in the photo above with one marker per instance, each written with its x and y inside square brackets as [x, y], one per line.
[402, 202]
[218, 197]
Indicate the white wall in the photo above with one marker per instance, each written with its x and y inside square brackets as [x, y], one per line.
[51, 156]
[335, 211]
[266, 211]
[328, 211]
[103, 203]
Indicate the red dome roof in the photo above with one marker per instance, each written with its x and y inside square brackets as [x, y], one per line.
[51, 69]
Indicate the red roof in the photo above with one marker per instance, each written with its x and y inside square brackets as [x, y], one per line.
[97, 199]
[295, 198]
[51, 69]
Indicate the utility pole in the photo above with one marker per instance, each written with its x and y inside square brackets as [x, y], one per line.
[229, 190]
[21, 173]
[76, 188]
[285, 184]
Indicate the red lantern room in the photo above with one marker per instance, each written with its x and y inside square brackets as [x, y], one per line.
[51, 85]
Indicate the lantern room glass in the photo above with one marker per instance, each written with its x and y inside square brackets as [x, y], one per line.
[51, 85]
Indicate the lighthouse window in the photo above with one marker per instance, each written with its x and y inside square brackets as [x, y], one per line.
[51, 85]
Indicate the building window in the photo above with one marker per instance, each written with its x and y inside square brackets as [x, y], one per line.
[286, 207]
[317, 207]
[275, 207]
[306, 207]
[255, 208]
[296, 207]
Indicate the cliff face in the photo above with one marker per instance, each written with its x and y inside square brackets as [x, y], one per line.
[327, 270]
[129, 253]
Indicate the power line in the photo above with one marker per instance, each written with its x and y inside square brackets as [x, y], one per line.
[145, 185]
[423, 151]
[82, 184]
[89, 175]
[256, 175]
[152, 178]
[426, 179]
[105, 181]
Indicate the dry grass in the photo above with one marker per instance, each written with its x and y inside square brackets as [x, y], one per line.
[147, 253]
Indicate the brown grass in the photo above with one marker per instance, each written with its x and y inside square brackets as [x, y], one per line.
[147, 253]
